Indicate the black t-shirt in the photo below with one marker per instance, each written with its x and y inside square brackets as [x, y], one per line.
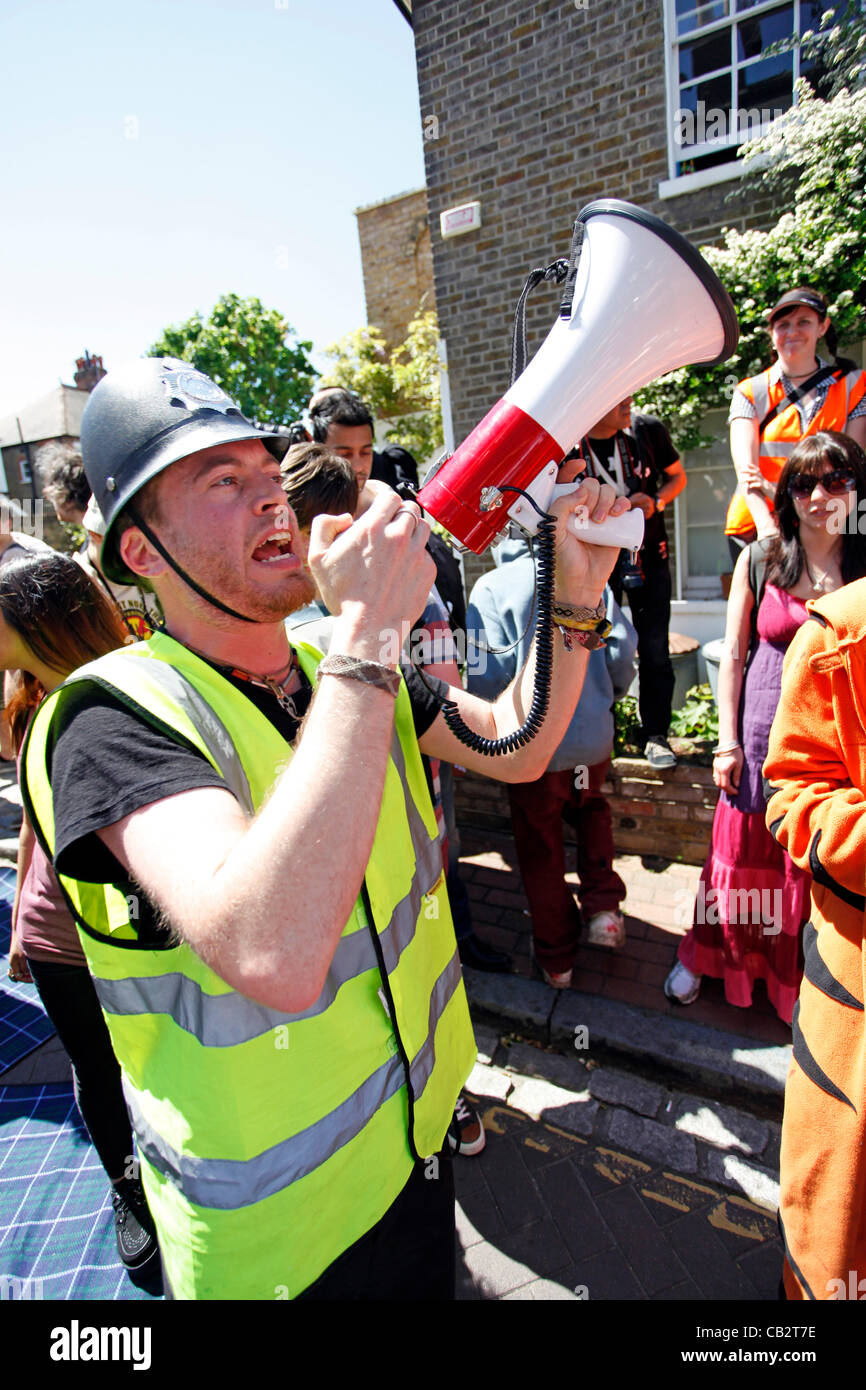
[105, 761]
[646, 456]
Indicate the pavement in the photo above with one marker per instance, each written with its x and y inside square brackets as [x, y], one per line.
[559, 1206]
[632, 1146]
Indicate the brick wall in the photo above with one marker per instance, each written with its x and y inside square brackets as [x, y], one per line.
[666, 813]
[537, 107]
[397, 261]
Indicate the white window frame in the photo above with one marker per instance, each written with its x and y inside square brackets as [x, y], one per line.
[677, 184]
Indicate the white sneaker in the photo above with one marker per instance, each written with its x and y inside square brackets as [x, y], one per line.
[466, 1132]
[682, 986]
[659, 753]
[561, 980]
[606, 929]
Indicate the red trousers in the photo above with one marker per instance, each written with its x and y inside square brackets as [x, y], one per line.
[537, 812]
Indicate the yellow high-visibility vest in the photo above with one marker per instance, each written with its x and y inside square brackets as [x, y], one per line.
[271, 1142]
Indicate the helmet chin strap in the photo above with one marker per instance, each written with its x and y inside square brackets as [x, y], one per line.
[187, 579]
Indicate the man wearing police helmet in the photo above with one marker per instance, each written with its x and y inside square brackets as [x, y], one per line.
[264, 915]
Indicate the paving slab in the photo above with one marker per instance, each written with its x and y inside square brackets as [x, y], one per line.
[570, 1110]
[620, 1088]
[658, 1143]
[759, 1184]
[721, 1125]
[547, 1215]
[486, 1042]
[566, 1071]
[489, 1081]
[542, 1291]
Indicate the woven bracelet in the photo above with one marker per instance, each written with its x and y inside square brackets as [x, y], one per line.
[370, 672]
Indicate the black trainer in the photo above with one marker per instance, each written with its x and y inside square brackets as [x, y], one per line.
[133, 1225]
[480, 955]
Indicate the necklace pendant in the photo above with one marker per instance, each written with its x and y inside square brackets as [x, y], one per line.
[284, 700]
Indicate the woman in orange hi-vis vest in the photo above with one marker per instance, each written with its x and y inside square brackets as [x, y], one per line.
[799, 395]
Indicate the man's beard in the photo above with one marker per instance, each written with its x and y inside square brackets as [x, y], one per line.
[220, 581]
[305, 588]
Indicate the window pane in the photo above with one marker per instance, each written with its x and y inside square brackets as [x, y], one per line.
[811, 12]
[754, 35]
[707, 550]
[705, 55]
[715, 93]
[810, 67]
[768, 85]
[725, 154]
[691, 16]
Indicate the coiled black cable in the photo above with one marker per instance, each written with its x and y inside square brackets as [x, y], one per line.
[545, 574]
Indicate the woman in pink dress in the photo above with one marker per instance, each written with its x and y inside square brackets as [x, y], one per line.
[752, 900]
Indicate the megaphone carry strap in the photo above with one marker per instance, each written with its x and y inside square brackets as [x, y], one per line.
[556, 271]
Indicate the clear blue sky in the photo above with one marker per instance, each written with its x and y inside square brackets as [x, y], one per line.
[159, 154]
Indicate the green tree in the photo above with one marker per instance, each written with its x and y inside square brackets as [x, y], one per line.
[813, 159]
[361, 364]
[251, 351]
[403, 387]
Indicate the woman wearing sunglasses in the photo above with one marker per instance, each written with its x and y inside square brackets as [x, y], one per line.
[797, 396]
[752, 900]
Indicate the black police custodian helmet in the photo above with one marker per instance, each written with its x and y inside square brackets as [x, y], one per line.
[145, 416]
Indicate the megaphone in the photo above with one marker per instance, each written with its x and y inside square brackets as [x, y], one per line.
[641, 302]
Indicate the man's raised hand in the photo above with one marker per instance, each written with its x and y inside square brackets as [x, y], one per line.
[375, 571]
[582, 570]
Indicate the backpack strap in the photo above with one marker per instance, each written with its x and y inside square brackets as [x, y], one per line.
[757, 580]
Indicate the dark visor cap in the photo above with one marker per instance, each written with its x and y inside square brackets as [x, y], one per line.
[803, 298]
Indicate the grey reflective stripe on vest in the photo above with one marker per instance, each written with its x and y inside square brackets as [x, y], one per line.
[417, 828]
[778, 448]
[230, 1183]
[428, 869]
[761, 395]
[208, 725]
[224, 1020]
[216, 1020]
[421, 1067]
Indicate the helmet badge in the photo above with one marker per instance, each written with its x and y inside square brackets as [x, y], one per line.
[194, 390]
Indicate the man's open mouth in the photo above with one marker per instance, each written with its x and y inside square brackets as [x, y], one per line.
[276, 547]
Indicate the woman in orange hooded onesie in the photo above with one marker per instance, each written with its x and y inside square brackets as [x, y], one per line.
[816, 776]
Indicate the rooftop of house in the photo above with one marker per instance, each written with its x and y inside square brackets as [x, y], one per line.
[51, 417]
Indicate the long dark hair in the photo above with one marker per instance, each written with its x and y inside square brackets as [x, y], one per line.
[63, 619]
[826, 449]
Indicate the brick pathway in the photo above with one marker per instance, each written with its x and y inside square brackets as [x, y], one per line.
[658, 912]
[544, 1214]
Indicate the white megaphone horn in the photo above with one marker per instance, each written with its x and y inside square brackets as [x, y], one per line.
[640, 301]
